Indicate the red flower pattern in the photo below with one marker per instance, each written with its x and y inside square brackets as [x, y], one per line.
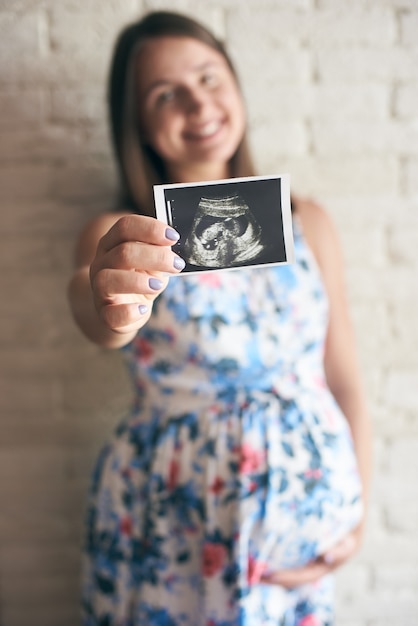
[126, 526]
[217, 485]
[214, 555]
[145, 349]
[255, 570]
[211, 279]
[173, 474]
[309, 620]
[250, 459]
[316, 474]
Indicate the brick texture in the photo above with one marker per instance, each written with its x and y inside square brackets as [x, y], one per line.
[332, 90]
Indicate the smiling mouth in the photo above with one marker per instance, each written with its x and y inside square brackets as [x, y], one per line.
[205, 132]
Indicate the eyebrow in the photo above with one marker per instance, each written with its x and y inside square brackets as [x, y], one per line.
[167, 81]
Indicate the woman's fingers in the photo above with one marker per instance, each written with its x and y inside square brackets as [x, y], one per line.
[313, 571]
[138, 228]
[290, 578]
[142, 256]
[130, 269]
[342, 551]
[113, 284]
[126, 297]
[125, 318]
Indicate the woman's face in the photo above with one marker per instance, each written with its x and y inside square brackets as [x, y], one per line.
[191, 110]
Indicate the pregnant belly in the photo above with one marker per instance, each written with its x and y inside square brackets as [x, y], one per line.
[309, 499]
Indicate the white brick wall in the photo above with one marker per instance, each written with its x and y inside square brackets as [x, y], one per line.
[332, 92]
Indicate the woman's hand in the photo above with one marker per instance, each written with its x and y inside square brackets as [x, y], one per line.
[324, 564]
[130, 269]
[122, 265]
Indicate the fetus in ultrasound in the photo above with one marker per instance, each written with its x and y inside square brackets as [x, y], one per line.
[224, 234]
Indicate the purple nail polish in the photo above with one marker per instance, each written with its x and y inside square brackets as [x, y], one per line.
[142, 308]
[178, 263]
[155, 283]
[172, 234]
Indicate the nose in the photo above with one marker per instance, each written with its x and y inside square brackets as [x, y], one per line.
[196, 100]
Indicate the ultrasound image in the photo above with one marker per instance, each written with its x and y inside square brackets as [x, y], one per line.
[224, 233]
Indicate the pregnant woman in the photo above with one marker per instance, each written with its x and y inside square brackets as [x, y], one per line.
[238, 481]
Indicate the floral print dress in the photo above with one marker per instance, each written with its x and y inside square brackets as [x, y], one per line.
[234, 460]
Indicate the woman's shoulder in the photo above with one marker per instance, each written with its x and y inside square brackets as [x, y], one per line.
[317, 227]
[311, 214]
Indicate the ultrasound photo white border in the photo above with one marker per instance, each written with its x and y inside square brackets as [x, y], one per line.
[260, 234]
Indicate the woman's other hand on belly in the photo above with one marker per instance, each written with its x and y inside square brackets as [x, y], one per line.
[323, 565]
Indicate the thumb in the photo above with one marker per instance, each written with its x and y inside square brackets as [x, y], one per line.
[340, 551]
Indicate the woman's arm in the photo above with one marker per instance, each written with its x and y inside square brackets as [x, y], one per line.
[122, 262]
[80, 294]
[340, 358]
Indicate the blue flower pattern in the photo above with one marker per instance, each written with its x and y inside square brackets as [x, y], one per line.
[234, 460]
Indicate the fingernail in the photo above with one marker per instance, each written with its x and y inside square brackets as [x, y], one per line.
[172, 234]
[178, 263]
[142, 308]
[155, 283]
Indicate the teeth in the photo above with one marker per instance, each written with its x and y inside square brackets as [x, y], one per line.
[208, 130]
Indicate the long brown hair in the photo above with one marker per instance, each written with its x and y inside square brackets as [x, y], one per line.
[140, 167]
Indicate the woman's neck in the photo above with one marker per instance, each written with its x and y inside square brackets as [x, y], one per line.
[198, 172]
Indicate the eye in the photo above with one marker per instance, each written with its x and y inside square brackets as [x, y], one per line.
[166, 96]
[210, 79]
